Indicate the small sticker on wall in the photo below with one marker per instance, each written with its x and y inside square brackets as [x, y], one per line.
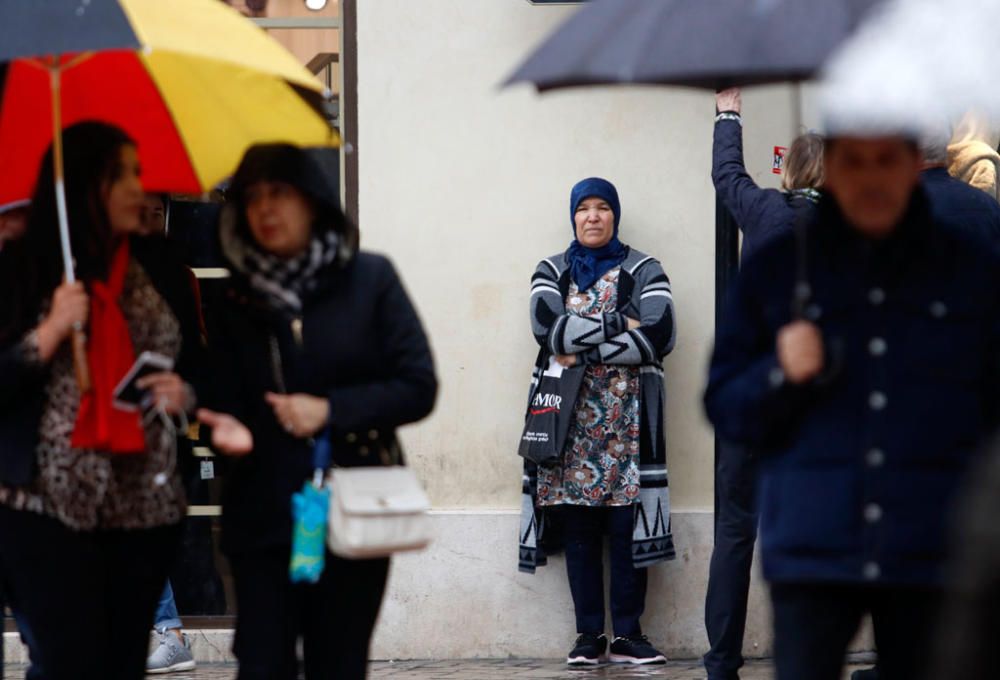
[778, 163]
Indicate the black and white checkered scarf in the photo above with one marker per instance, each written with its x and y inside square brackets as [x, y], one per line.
[283, 283]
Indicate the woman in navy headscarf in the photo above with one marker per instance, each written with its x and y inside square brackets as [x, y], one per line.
[609, 307]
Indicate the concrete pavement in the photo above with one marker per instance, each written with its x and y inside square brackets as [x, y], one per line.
[501, 669]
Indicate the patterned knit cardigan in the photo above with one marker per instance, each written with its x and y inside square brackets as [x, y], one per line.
[643, 294]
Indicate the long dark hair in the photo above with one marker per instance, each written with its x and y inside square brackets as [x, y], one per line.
[34, 268]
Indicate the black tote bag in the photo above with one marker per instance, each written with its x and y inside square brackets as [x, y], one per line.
[550, 413]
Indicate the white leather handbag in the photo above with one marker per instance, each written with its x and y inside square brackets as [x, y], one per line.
[377, 511]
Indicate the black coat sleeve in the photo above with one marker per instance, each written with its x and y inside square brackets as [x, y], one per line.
[224, 388]
[18, 375]
[408, 388]
[757, 211]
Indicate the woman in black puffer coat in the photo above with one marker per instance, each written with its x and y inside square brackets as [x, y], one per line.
[311, 334]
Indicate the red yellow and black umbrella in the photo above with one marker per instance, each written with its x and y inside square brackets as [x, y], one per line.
[193, 82]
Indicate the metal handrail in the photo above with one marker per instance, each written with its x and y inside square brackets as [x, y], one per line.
[297, 22]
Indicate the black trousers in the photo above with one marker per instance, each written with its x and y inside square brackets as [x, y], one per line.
[814, 624]
[585, 528]
[87, 597]
[335, 618]
[732, 559]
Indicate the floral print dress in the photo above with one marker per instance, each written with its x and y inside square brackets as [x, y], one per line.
[600, 464]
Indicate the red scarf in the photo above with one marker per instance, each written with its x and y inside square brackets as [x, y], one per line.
[110, 355]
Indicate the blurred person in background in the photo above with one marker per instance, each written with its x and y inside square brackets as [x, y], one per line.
[13, 222]
[954, 202]
[172, 649]
[762, 215]
[972, 155]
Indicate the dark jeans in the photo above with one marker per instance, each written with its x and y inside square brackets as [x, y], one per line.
[87, 597]
[814, 624]
[732, 558]
[585, 528]
[335, 617]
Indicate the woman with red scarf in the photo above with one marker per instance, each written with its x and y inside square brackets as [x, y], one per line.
[90, 498]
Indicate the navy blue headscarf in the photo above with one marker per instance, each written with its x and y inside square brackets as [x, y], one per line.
[588, 265]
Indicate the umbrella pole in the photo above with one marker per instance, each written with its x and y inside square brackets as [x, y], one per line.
[79, 339]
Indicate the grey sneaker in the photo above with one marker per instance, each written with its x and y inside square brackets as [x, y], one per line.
[170, 654]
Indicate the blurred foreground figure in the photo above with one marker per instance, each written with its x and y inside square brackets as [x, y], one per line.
[866, 412]
[90, 500]
[970, 621]
[955, 205]
[972, 155]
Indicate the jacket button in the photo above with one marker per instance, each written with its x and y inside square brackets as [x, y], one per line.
[871, 571]
[351, 438]
[873, 513]
[875, 458]
[776, 377]
[876, 296]
[373, 434]
[939, 310]
[877, 347]
[877, 401]
[813, 312]
[363, 451]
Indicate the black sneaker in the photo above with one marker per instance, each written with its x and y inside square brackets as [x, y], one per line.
[866, 674]
[589, 650]
[635, 649]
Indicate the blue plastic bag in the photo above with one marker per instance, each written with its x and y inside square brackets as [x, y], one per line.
[310, 509]
[309, 512]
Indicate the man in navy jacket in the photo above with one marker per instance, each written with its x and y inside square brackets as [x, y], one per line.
[956, 205]
[866, 413]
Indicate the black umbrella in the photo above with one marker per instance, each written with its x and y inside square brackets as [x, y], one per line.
[62, 27]
[711, 44]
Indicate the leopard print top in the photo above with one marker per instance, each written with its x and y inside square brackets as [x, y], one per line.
[87, 489]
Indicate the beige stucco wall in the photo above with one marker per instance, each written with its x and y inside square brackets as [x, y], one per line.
[466, 186]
